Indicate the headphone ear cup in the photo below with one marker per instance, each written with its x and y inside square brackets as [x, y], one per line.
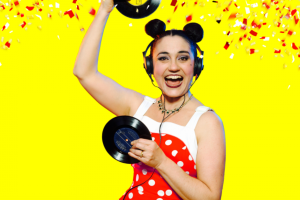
[149, 63]
[197, 66]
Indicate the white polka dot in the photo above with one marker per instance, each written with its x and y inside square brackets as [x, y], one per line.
[168, 192]
[144, 171]
[180, 163]
[168, 142]
[141, 192]
[187, 172]
[184, 147]
[190, 157]
[195, 166]
[140, 188]
[163, 134]
[151, 182]
[159, 199]
[153, 138]
[174, 152]
[160, 193]
[130, 195]
[137, 177]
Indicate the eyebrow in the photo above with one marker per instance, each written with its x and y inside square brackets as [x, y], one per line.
[164, 52]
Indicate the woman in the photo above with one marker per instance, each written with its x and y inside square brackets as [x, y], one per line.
[190, 161]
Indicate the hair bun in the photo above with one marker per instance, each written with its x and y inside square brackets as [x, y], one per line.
[155, 27]
[194, 31]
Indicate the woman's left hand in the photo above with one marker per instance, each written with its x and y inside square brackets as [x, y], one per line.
[152, 154]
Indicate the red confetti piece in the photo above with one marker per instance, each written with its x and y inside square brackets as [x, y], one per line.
[266, 5]
[283, 44]
[294, 46]
[290, 32]
[228, 33]
[74, 1]
[22, 15]
[262, 37]
[293, 12]
[195, 3]
[168, 21]
[249, 38]
[226, 45]
[253, 24]
[252, 51]
[243, 27]
[175, 8]
[23, 24]
[245, 21]
[240, 39]
[173, 3]
[16, 3]
[182, 4]
[245, 35]
[277, 51]
[264, 23]
[253, 33]
[40, 10]
[92, 11]
[76, 16]
[296, 20]
[278, 24]
[189, 18]
[232, 16]
[7, 44]
[29, 8]
[70, 13]
[259, 26]
[77, 7]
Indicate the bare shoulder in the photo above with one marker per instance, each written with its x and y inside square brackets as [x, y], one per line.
[135, 102]
[209, 123]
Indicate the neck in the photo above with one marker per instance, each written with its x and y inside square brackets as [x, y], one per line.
[174, 102]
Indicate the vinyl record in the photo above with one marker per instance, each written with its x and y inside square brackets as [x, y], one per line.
[119, 132]
[137, 8]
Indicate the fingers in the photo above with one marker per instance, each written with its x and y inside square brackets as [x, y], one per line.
[141, 143]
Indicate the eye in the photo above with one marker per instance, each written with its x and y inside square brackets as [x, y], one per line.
[162, 58]
[185, 58]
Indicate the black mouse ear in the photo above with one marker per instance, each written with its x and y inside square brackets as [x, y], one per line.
[194, 31]
[155, 27]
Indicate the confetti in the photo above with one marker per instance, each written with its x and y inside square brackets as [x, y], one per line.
[231, 56]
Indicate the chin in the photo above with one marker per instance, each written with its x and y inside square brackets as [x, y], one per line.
[174, 91]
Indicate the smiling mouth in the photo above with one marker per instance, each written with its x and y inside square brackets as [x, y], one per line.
[173, 81]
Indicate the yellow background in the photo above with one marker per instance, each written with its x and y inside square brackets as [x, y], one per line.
[51, 128]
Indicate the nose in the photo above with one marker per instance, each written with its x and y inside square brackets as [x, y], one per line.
[173, 67]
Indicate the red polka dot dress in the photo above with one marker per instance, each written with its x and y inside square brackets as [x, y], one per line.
[177, 142]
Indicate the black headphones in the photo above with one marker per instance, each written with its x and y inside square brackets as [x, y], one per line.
[198, 64]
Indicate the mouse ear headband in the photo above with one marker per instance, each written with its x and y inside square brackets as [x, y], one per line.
[156, 27]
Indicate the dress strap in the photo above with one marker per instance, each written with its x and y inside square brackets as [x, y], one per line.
[145, 105]
[194, 120]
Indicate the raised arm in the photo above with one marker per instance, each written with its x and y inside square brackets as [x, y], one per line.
[104, 90]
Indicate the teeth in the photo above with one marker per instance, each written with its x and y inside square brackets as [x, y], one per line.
[173, 77]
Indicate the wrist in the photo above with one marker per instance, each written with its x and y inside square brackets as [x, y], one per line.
[163, 164]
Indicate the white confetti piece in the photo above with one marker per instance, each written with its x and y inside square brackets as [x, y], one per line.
[58, 37]
[264, 45]
[0, 64]
[238, 23]
[201, 17]
[293, 59]
[267, 39]
[56, 5]
[224, 32]
[247, 10]
[39, 17]
[254, 5]
[130, 24]
[289, 86]
[231, 56]
[50, 5]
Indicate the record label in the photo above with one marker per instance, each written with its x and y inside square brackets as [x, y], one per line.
[123, 138]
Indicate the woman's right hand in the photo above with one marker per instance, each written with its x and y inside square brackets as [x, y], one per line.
[107, 6]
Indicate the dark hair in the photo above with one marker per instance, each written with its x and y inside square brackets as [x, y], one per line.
[191, 32]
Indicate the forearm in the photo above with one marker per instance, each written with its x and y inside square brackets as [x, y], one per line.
[87, 58]
[187, 187]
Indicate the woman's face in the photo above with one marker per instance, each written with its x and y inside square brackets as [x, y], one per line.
[173, 64]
